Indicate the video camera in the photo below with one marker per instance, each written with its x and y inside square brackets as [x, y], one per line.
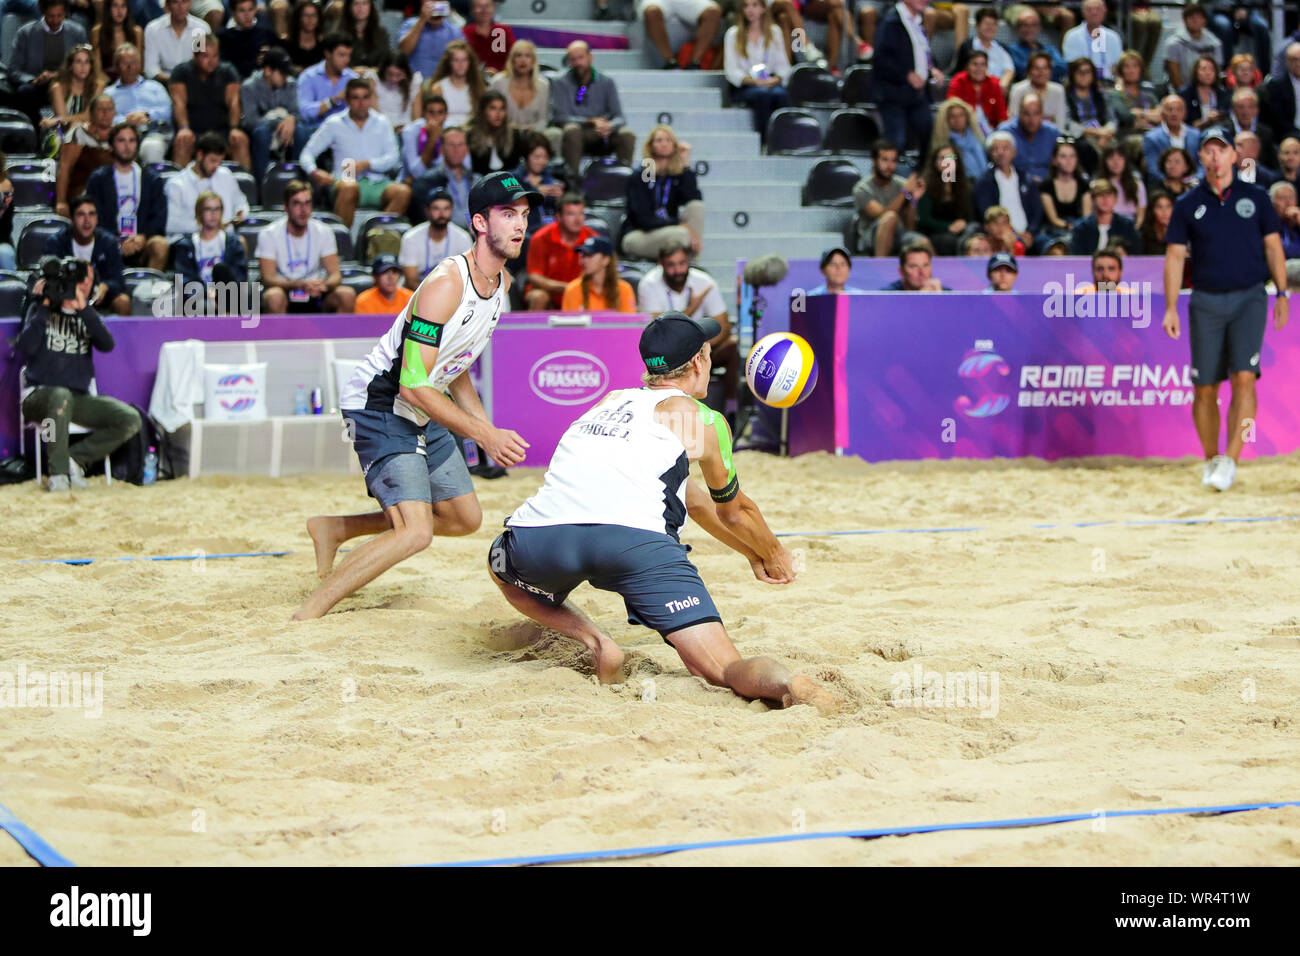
[62, 276]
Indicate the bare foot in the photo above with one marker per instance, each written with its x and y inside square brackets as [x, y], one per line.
[609, 662]
[806, 691]
[326, 542]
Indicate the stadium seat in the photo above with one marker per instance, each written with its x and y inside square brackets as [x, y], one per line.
[793, 132]
[357, 278]
[343, 239]
[12, 293]
[31, 244]
[830, 183]
[851, 131]
[600, 225]
[247, 185]
[33, 185]
[164, 170]
[249, 229]
[277, 177]
[17, 135]
[39, 434]
[606, 182]
[856, 90]
[8, 112]
[325, 215]
[809, 83]
[375, 225]
[133, 276]
[632, 274]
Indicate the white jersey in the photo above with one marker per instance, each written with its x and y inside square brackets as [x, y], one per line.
[375, 385]
[615, 465]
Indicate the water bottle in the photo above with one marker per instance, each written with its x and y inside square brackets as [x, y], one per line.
[300, 401]
[151, 466]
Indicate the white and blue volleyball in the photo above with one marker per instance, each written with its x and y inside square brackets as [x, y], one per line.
[781, 369]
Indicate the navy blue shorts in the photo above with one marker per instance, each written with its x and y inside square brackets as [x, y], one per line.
[1226, 330]
[660, 587]
[403, 462]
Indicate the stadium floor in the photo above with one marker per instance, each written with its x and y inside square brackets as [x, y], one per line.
[1140, 666]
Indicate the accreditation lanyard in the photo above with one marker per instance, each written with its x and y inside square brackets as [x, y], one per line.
[430, 257]
[207, 262]
[295, 264]
[663, 197]
[126, 220]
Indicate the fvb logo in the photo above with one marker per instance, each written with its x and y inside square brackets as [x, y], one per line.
[236, 393]
[984, 373]
[568, 378]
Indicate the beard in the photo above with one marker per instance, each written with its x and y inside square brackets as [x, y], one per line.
[501, 246]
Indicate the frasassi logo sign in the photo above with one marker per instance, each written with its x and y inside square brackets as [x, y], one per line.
[568, 378]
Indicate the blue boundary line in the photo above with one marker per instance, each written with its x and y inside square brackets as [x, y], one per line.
[29, 840]
[856, 834]
[160, 557]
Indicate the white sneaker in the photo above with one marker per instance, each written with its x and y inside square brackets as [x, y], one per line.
[58, 483]
[1208, 469]
[77, 474]
[1224, 472]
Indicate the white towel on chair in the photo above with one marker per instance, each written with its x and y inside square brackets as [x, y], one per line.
[179, 384]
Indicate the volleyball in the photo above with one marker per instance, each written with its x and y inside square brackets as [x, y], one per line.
[781, 369]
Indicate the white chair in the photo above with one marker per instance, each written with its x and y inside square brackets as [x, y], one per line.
[23, 391]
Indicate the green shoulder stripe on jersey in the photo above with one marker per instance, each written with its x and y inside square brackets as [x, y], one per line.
[709, 417]
[414, 374]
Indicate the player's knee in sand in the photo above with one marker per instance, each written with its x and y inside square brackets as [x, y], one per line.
[457, 517]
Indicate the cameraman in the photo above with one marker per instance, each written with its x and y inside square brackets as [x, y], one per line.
[56, 337]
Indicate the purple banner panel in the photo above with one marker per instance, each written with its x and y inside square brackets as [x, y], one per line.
[984, 376]
[550, 37]
[542, 379]
[524, 388]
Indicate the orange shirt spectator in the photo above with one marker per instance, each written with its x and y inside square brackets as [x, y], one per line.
[553, 253]
[600, 276]
[387, 297]
[595, 301]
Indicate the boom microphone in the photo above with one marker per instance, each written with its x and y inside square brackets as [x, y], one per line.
[765, 270]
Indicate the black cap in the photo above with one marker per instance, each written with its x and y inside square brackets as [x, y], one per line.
[595, 244]
[826, 256]
[383, 263]
[1002, 259]
[500, 189]
[277, 58]
[1218, 133]
[439, 194]
[672, 339]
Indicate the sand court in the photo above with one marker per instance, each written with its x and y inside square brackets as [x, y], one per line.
[1136, 665]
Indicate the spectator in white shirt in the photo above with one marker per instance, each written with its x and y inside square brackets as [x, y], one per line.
[1001, 65]
[169, 40]
[206, 172]
[673, 284]
[753, 55]
[426, 245]
[1090, 39]
[365, 149]
[299, 261]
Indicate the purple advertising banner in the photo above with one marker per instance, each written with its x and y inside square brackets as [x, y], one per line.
[984, 376]
[538, 380]
[521, 340]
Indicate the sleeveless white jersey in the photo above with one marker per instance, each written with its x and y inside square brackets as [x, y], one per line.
[615, 465]
[375, 385]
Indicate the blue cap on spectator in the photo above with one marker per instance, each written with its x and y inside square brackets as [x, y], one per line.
[1002, 259]
[383, 263]
[595, 244]
[1218, 133]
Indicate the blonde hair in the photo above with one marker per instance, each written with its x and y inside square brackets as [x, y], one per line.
[201, 199]
[1125, 57]
[527, 46]
[940, 136]
[661, 378]
[767, 24]
[675, 164]
[473, 76]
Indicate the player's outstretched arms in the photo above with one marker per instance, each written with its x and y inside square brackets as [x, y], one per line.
[704, 513]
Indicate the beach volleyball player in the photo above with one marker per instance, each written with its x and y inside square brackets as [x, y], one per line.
[610, 508]
[401, 417]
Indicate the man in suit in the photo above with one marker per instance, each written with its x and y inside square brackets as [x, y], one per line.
[903, 67]
[1005, 185]
[1279, 96]
[129, 199]
[1104, 228]
[1245, 119]
[1172, 131]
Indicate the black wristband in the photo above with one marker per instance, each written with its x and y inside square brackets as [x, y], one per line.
[728, 493]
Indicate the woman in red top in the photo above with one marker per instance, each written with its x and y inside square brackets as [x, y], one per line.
[491, 40]
[976, 87]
